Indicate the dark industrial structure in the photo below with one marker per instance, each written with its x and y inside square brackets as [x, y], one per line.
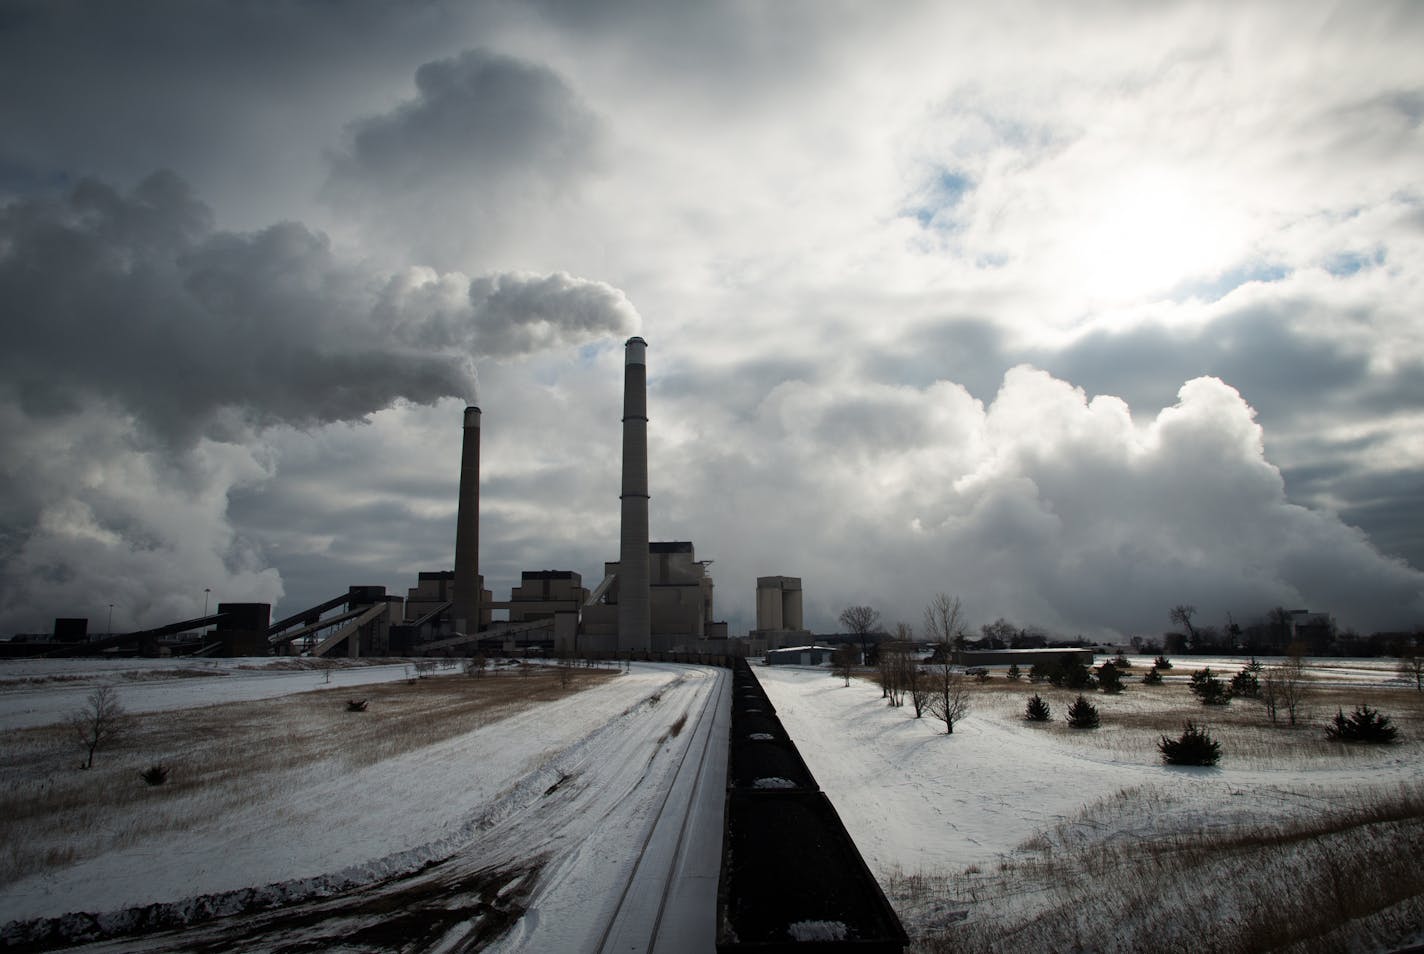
[657, 597]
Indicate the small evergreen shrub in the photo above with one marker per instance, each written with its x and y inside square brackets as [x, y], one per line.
[1014, 673]
[1082, 714]
[1110, 678]
[1209, 689]
[1068, 674]
[1246, 685]
[155, 774]
[1037, 710]
[1153, 677]
[355, 705]
[1193, 747]
[1121, 662]
[1038, 672]
[1362, 725]
[1162, 662]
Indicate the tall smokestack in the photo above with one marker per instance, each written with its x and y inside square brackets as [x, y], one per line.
[634, 624]
[466, 611]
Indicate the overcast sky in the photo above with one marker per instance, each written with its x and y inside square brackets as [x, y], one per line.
[1076, 312]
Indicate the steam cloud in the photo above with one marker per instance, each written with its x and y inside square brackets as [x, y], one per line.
[144, 345]
[1044, 506]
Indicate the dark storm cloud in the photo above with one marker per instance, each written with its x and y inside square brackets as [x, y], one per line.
[137, 300]
[970, 351]
[480, 152]
[479, 116]
[209, 88]
[1260, 351]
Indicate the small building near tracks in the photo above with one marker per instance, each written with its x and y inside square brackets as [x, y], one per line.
[800, 656]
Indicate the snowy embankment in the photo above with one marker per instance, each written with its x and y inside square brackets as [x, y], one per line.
[333, 825]
[35, 692]
[919, 802]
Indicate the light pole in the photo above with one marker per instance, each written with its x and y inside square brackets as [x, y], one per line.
[110, 630]
[206, 591]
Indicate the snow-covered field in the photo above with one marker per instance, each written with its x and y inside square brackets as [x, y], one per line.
[540, 807]
[925, 807]
[559, 794]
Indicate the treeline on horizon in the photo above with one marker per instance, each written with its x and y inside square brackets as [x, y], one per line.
[1277, 633]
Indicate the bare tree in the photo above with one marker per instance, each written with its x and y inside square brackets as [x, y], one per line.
[1411, 666]
[1284, 688]
[98, 722]
[945, 692]
[861, 621]
[907, 663]
[888, 669]
[944, 624]
[886, 675]
[1182, 614]
[897, 664]
[843, 661]
[917, 685]
[999, 634]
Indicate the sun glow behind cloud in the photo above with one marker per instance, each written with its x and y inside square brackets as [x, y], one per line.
[1145, 234]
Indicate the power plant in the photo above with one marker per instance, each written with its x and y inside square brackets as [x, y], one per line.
[657, 597]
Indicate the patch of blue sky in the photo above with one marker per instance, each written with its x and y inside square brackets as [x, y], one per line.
[1344, 264]
[945, 190]
[1218, 287]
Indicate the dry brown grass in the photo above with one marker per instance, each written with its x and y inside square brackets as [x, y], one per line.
[1344, 878]
[227, 756]
[1135, 719]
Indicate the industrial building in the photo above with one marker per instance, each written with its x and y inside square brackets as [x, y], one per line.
[656, 597]
[778, 613]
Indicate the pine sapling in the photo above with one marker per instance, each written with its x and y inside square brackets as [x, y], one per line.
[1193, 747]
[1245, 684]
[1037, 710]
[1082, 714]
[1110, 678]
[1363, 725]
[1209, 689]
